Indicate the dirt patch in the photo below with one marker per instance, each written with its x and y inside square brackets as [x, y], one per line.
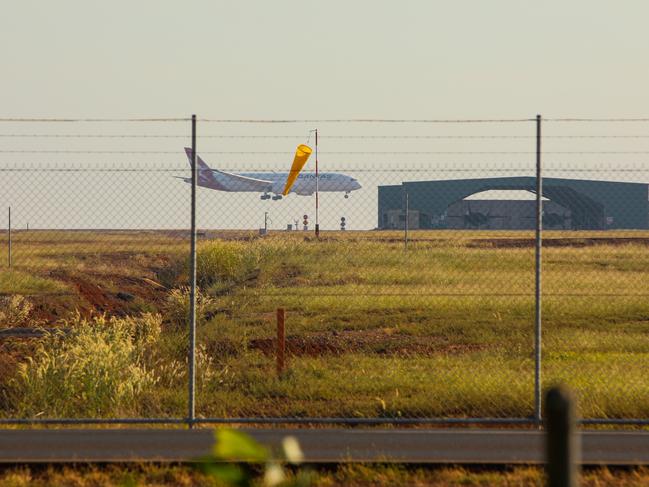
[122, 283]
[577, 242]
[365, 342]
[12, 353]
[98, 293]
[287, 275]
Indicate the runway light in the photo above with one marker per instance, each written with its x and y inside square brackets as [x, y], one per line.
[302, 154]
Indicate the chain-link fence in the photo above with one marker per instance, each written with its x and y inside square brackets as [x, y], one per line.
[419, 300]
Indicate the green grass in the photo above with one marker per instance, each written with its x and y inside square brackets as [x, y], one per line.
[444, 329]
[17, 282]
[484, 384]
[474, 301]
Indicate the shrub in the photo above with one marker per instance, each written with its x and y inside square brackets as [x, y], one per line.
[97, 369]
[176, 309]
[226, 263]
[173, 373]
[174, 271]
[14, 310]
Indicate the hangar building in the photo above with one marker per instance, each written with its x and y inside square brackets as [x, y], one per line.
[573, 204]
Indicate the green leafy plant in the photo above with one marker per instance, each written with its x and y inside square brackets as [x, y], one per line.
[238, 460]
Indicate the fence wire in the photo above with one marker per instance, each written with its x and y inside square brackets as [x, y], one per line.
[415, 303]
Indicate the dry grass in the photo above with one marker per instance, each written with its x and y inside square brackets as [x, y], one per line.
[443, 329]
[98, 369]
[348, 475]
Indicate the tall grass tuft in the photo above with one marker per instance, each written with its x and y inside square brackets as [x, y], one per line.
[176, 307]
[98, 369]
[223, 264]
[14, 310]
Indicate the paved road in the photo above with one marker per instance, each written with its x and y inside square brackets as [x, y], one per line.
[322, 445]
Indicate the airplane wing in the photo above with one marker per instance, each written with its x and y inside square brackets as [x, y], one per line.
[236, 182]
[225, 181]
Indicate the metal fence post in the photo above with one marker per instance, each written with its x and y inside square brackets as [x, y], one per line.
[317, 187]
[562, 449]
[192, 293]
[9, 238]
[537, 277]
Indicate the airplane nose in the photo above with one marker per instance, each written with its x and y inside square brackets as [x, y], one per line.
[356, 185]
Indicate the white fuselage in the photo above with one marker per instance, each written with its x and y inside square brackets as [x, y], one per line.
[269, 182]
[304, 185]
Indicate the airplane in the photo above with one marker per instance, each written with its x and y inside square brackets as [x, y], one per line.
[270, 182]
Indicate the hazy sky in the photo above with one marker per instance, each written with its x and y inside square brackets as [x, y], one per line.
[307, 60]
[334, 58]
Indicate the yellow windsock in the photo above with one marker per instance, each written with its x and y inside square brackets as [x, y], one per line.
[301, 156]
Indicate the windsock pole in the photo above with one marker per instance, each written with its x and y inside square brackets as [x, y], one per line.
[317, 177]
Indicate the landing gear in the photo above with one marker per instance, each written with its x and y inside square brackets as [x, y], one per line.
[266, 196]
[347, 195]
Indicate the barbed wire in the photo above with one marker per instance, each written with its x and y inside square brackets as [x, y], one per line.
[428, 170]
[264, 136]
[324, 120]
[597, 120]
[488, 136]
[369, 120]
[289, 153]
[99, 136]
[263, 121]
[68, 120]
[321, 136]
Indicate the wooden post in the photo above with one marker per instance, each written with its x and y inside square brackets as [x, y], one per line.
[281, 341]
[562, 443]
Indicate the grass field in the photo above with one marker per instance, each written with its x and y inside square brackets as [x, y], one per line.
[444, 329]
[348, 475]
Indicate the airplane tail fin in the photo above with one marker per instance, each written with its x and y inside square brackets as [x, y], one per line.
[205, 173]
[202, 166]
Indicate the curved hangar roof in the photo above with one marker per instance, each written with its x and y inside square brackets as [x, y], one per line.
[593, 204]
